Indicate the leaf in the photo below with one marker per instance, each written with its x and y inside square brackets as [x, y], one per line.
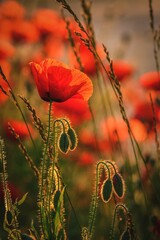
[73, 138]
[118, 185]
[56, 198]
[106, 190]
[64, 143]
[59, 216]
[21, 201]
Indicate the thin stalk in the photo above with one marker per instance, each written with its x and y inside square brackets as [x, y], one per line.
[114, 218]
[94, 203]
[45, 155]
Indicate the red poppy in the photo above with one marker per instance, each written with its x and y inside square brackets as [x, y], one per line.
[12, 9]
[143, 111]
[138, 129]
[87, 138]
[48, 21]
[24, 31]
[6, 49]
[76, 110]
[122, 69]
[19, 127]
[115, 129]
[87, 58]
[53, 47]
[150, 80]
[86, 158]
[5, 28]
[57, 82]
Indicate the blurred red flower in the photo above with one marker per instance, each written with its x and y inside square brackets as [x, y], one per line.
[53, 47]
[143, 111]
[138, 129]
[57, 82]
[19, 127]
[121, 69]
[6, 49]
[87, 58]
[5, 28]
[12, 9]
[116, 129]
[49, 22]
[86, 158]
[150, 80]
[76, 110]
[24, 31]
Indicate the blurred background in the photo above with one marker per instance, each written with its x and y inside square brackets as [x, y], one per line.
[28, 32]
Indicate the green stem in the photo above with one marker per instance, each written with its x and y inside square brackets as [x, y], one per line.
[42, 199]
[114, 218]
[94, 203]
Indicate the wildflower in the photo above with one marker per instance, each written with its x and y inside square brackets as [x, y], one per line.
[12, 9]
[143, 111]
[115, 129]
[87, 58]
[86, 159]
[150, 80]
[55, 25]
[122, 69]
[87, 139]
[57, 82]
[53, 47]
[19, 127]
[25, 31]
[5, 29]
[6, 49]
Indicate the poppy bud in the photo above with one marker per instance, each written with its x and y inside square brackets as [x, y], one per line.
[106, 190]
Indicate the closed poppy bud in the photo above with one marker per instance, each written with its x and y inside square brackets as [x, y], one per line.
[64, 142]
[118, 185]
[57, 82]
[73, 138]
[106, 190]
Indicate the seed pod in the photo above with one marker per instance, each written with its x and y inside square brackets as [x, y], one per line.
[106, 190]
[118, 185]
[64, 143]
[73, 139]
